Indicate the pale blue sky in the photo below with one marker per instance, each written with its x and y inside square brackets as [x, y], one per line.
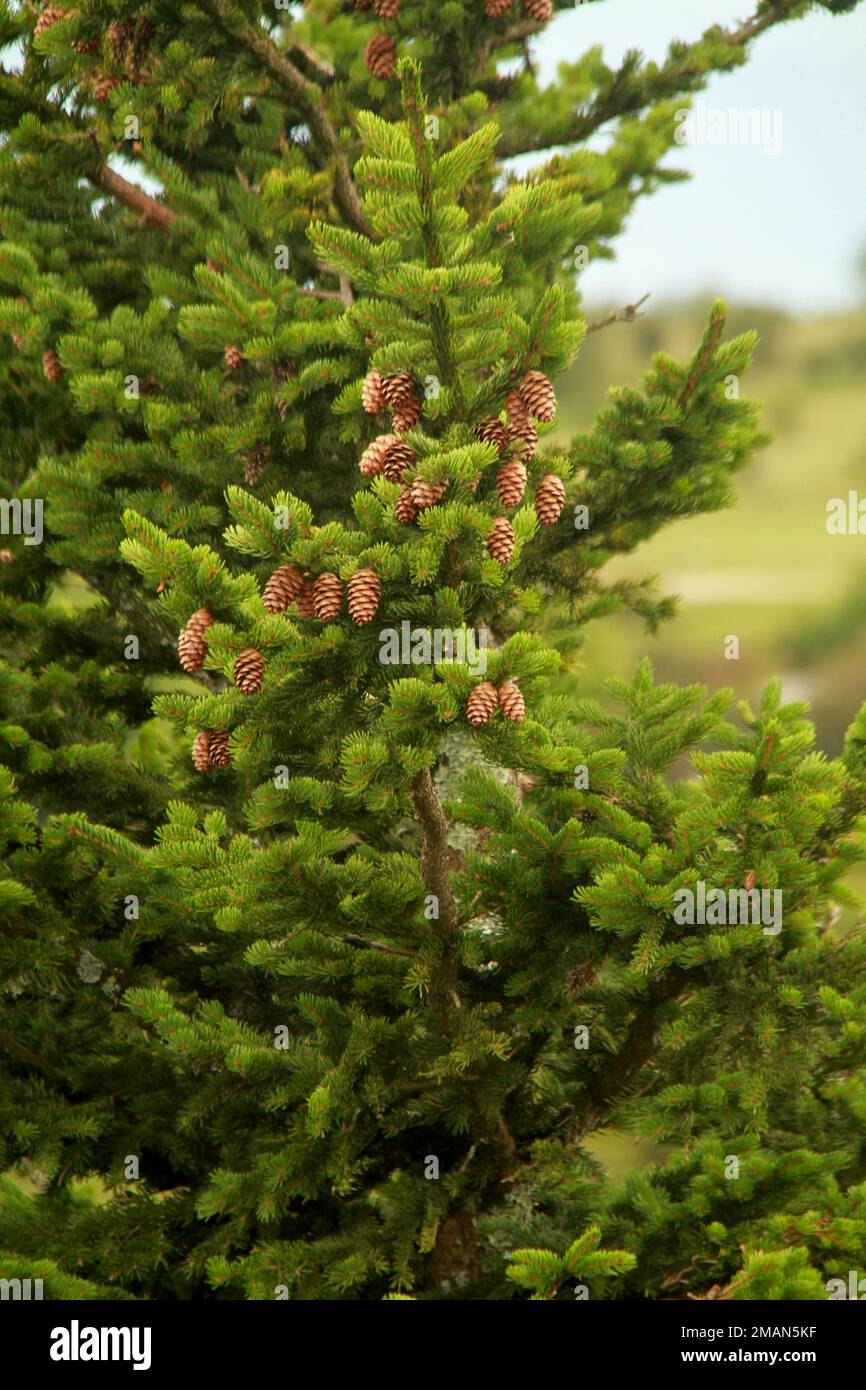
[785, 229]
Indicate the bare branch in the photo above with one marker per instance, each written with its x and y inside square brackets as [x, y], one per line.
[132, 196]
[627, 314]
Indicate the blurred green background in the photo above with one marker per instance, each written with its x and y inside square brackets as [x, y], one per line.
[766, 570]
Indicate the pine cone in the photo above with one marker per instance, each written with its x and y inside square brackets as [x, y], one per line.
[327, 595]
[539, 396]
[539, 10]
[386, 9]
[191, 650]
[380, 55]
[119, 35]
[50, 15]
[103, 85]
[51, 365]
[249, 670]
[511, 483]
[92, 44]
[372, 398]
[523, 438]
[500, 542]
[282, 588]
[424, 494]
[549, 497]
[398, 389]
[398, 458]
[254, 463]
[511, 702]
[362, 4]
[201, 751]
[304, 601]
[405, 511]
[406, 416]
[494, 8]
[365, 591]
[372, 461]
[139, 48]
[492, 431]
[18, 340]
[218, 748]
[233, 358]
[481, 704]
[200, 621]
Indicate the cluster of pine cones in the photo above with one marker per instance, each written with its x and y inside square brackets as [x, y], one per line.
[389, 454]
[210, 749]
[535, 399]
[539, 10]
[485, 698]
[322, 597]
[128, 39]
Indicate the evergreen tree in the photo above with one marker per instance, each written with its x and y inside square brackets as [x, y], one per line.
[290, 1008]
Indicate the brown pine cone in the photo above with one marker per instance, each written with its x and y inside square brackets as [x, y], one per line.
[218, 748]
[398, 458]
[492, 431]
[523, 438]
[406, 415]
[88, 45]
[304, 601]
[515, 409]
[283, 371]
[119, 35]
[539, 396]
[372, 461]
[50, 15]
[249, 670]
[362, 4]
[201, 751]
[481, 704]
[494, 8]
[511, 483]
[500, 541]
[539, 10]
[365, 591]
[549, 497]
[425, 494]
[282, 588]
[398, 388]
[386, 9]
[233, 358]
[18, 340]
[103, 86]
[511, 702]
[405, 511]
[255, 463]
[380, 55]
[327, 595]
[51, 365]
[200, 621]
[191, 650]
[372, 398]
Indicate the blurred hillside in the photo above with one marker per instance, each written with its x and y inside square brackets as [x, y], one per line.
[767, 570]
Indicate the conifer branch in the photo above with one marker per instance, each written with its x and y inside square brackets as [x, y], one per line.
[627, 92]
[133, 197]
[434, 871]
[306, 96]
